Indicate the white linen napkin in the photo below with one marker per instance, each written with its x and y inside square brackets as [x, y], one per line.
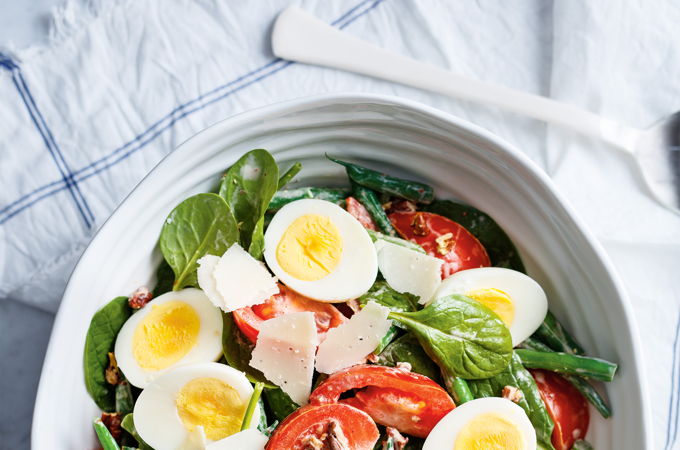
[122, 83]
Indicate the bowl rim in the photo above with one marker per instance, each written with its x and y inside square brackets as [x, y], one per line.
[320, 100]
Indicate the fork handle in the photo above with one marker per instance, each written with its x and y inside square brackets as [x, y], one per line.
[299, 36]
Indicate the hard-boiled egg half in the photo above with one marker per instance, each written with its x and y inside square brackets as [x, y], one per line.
[175, 328]
[491, 423]
[516, 298]
[191, 406]
[319, 250]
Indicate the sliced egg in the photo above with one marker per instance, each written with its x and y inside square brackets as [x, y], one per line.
[193, 405]
[491, 423]
[243, 440]
[175, 328]
[517, 299]
[321, 251]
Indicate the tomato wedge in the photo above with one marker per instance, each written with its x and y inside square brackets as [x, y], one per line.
[249, 319]
[410, 402]
[566, 406]
[442, 238]
[323, 424]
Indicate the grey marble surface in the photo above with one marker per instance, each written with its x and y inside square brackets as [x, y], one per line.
[24, 331]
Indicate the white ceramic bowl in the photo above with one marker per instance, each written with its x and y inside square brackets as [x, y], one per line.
[459, 159]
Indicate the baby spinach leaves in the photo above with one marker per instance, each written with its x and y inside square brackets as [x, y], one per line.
[100, 340]
[407, 349]
[279, 403]
[500, 248]
[517, 376]
[461, 335]
[384, 295]
[247, 187]
[200, 225]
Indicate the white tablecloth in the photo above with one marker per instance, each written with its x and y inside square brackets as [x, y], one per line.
[120, 84]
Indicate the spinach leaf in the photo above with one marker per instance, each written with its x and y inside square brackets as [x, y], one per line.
[128, 424]
[165, 277]
[279, 403]
[100, 340]
[517, 376]
[238, 350]
[200, 225]
[383, 294]
[461, 335]
[500, 248]
[247, 187]
[407, 349]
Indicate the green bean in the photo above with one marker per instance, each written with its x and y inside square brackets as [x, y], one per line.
[370, 201]
[104, 435]
[582, 445]
[410, 190]
[553, 334]
[585, 388]
[290, 173]
[283, 197]
[125, 447]
[376, 235]
[248, 417]
[457, 387]
[124, 400]
[392, 333]
[584, 366]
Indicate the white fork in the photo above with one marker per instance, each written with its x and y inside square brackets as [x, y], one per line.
[299, 36]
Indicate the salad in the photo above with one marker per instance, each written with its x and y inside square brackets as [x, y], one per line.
[369, 317]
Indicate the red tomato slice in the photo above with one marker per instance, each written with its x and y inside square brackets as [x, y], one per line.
[360, 213]
[566, 406]
[460, 250]
[250, 318]
[410, 402]
[316, 423]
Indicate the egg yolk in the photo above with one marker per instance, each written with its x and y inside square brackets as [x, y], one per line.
[490, 432]
[212, 404]
[167, 333]
[497, 301]
[310, 248]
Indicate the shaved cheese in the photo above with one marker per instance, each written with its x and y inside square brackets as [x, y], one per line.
[407, 270]
[351, 342]
[206, 267]
[249, 439]
[284, 353]
[235, 280]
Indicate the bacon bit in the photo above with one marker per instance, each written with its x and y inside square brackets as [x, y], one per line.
[112, 373]
[419, 225]
[512, 393]
[398, 440]
[399, 206]
[372, 358]
[444, 243]
[139, 298]
[353, 305]
[112, 422]
[332, 439]
[406, 367]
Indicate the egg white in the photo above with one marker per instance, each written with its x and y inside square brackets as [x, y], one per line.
[358, 266]
[155, 414]
[208, 345]
[529, 299]
[445, 433]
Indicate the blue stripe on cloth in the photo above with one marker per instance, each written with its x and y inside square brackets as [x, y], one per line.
[170, 119]
[48, 138]
[672, 424]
